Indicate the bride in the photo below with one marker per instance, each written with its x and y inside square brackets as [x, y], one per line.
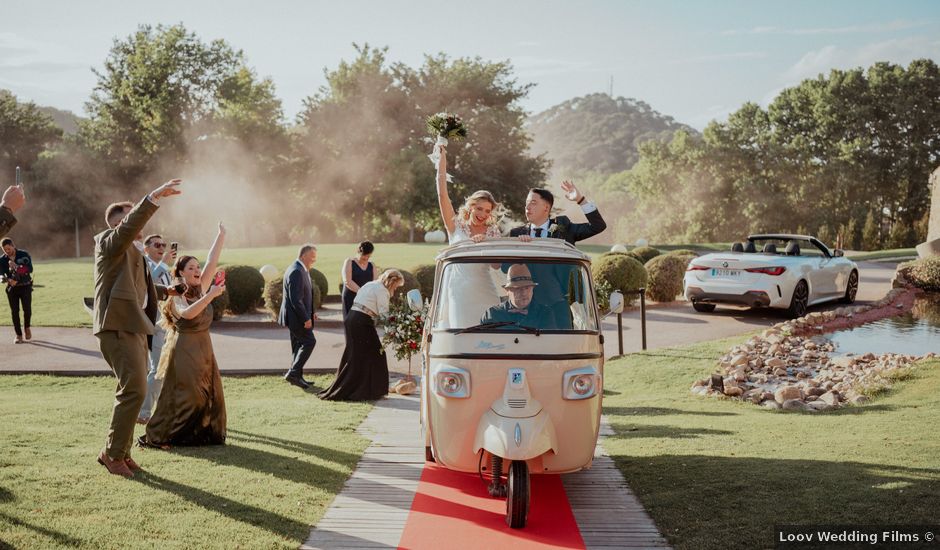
[471, 288]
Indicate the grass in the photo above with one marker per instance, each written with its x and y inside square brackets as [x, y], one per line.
[720, 474]
[287, 455]
[882, 254]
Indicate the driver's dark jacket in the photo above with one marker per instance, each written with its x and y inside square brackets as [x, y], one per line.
[538, 316]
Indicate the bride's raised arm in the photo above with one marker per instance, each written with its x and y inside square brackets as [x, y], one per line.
[443, 199]
[212, 263]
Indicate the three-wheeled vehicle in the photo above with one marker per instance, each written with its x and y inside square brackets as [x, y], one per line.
[513, 364]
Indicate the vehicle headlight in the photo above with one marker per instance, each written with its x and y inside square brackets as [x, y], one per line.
[581, 383]
[452, 382]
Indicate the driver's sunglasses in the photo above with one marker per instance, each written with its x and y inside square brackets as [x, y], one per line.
[159, 245]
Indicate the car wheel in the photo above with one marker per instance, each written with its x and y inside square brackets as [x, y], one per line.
[851, 289]
[799, 300]
[703, 308]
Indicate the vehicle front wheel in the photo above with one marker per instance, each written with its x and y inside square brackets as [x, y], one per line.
[851, 289]
[799, 300]
[517, 499]
[703, 308]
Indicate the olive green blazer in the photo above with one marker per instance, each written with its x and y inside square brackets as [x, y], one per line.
[122, 279]
[7, 221]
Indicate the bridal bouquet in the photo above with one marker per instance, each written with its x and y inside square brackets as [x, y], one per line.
[444, 127]
[447, 126]
[403, 328]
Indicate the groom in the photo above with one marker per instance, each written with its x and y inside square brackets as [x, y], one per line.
[297, 313]
[553, 279]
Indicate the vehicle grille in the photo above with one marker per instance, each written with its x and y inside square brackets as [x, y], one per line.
[517, 403]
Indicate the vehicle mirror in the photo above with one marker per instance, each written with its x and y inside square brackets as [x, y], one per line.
[616, 302]
[838, 253]
[414, 299]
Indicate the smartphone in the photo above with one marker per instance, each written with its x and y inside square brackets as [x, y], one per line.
[174, 246]
[219, 279]
[19, 176]
[180, 288]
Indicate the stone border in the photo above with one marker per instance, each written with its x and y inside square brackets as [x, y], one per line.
[790, 365]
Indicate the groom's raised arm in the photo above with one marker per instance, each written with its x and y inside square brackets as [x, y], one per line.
[595, 222]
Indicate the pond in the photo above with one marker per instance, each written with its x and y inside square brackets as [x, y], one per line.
[914, 333]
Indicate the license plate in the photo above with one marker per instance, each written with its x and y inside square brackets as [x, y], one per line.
[726, 273]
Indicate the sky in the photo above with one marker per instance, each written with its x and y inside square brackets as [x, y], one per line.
[694, 60]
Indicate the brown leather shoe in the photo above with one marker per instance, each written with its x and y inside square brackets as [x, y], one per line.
[29, 334]
[131, 465]
[116, 467]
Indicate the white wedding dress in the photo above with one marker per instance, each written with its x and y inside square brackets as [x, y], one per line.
[472, 288]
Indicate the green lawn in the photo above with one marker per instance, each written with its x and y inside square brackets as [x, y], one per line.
[288, 454]
[719, 474]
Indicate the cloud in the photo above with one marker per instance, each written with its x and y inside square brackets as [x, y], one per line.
[714, 112]
[892, 26]
[898, 50]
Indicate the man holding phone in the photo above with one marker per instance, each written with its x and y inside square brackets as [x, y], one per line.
[160, 258]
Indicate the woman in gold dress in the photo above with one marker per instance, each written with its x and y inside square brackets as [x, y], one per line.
[191, 406]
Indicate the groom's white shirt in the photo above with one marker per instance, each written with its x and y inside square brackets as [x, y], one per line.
[587, 208]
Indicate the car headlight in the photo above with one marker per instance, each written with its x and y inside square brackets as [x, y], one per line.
[452, 382]
[581, 383]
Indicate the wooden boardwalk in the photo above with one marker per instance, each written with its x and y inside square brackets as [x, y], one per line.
[372, 508]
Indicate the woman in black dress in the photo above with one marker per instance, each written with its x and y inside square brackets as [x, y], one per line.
[357, 272]
[363, 370]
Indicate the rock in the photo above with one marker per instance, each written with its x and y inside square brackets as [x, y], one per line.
[780, 372]
[773, 350]
[775, 362]
[859, 400]
[816, 392]
[844, 361]
[770, 405]
[810, 345]
[819, 405]
[793, 405]
[733, 391]
[738, 360]
[830, 398]
[787, 393]
[702, 382]
[767, 396]
[407, 387]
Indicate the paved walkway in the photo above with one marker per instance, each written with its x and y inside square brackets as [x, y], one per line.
[372, 509]
[260, 347]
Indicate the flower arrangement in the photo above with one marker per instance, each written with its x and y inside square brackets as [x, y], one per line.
[447, 125]
[403, 330]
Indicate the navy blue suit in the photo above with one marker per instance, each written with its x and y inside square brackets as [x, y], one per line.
[296, 310]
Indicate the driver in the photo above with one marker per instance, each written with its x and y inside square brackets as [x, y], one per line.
[519, 307]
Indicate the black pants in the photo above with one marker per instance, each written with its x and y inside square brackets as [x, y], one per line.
[302, 343]
[16, 296]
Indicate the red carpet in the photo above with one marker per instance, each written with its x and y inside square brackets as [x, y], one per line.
[453, 510]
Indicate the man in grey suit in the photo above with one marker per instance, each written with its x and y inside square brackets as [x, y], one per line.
[13, 200]
[297, 313]
[125, 308]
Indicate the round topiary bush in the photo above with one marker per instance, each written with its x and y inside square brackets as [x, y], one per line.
[924, 273]
[665, 277]
[245, 286]
[274, 295]
[319, 280]
[644, 253]
[219, 305]
[425, 276]
[620, 272]
[684, 252]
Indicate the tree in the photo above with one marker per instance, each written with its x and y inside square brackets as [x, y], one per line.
[24, 133]
[871, 232]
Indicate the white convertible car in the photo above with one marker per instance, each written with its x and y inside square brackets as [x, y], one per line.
[790, 272]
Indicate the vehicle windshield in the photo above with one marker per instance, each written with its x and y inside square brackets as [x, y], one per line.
[806, 247]
[515, 296]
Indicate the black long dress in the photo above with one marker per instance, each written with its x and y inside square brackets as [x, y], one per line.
[363, 370]
[360, 277]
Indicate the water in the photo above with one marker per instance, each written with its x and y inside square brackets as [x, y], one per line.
[914, 333]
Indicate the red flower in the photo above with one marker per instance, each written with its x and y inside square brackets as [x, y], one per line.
[413, 345]
[418, 319]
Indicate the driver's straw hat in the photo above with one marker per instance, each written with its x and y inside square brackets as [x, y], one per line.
[519, 276]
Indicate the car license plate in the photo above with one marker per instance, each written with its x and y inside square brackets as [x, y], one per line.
[726, 273]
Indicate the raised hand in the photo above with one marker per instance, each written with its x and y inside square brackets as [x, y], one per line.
[13, 198]
[168, 189]
[479, 238]
[571, 192]
[216, 291]
[222, 230]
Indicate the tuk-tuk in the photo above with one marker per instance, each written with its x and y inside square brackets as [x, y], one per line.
[512, 364]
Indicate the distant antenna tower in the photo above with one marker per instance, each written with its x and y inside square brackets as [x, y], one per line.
[610, 87]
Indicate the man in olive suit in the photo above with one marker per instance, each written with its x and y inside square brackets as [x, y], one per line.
[13, 200]
[125, 308]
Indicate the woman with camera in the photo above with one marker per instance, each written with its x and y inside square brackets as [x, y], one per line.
[16, 270]
[191, 406]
